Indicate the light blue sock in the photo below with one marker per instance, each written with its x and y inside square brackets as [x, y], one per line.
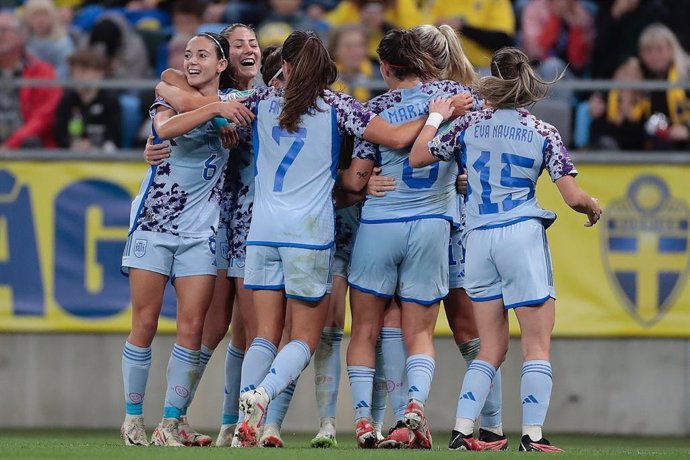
[136, 362]
[286, 368]
[361, 385]
[204, 357]
[420, 373]
[257, 362]
[535, 391]
[378, 395]
[327, 371]
[491, 415]
[233, 371]
[279, 406]
[394, 357]
[182, 368]
[475, 388]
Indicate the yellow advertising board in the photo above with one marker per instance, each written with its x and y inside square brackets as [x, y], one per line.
[63, 226]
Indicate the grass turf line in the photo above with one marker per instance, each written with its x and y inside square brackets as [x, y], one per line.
[91, 444]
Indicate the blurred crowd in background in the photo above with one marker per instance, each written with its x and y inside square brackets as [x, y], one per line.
[622, 40]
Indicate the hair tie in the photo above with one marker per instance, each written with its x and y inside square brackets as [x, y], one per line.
[222, 52]
[497, 70]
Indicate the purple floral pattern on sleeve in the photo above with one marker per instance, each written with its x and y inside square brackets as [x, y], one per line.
[158, 102]
[445, 145]
[556, 157]
[352, 117]
[365, 150]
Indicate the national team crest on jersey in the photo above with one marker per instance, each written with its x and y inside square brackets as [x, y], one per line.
[645, 239]
[140, 248]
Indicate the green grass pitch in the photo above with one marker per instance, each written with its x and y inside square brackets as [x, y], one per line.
[80, 444]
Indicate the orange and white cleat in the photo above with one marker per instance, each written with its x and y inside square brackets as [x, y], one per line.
[254, 404]
[415, 420]
[190, 437]
[365, 433]
[399, 437]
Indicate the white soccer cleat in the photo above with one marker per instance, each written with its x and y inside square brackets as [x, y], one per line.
[271, 437]
[325, 438]
[133, 432]
[254, 405]
[166, 434]
[190, 437]
[225, 436]
[236, 437]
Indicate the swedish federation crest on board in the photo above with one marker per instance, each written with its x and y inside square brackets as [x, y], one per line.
[645, 247]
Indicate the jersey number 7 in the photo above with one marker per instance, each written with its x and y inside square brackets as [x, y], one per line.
[291, 154]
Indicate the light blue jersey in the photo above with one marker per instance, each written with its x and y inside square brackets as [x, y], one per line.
[181, 196]
[504, 152]
[420, 193]
[295, 171]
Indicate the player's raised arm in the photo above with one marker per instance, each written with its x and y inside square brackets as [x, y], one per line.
[379, 131]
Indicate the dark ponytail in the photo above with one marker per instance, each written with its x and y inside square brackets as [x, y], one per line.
[403, 52]
[312, 72]
[271, 62]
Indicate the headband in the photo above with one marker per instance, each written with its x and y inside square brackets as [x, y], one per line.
[222, 53]
[278, 74]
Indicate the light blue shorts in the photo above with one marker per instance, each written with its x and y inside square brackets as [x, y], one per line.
[304, 274]
[222, 249]
[456, 260]
[170, 255]
[236, 267]
[511, 262]
[409, 259]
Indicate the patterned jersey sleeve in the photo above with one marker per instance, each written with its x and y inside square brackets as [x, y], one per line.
[447, 144]
[383, 101]
[365, 150]
[352, 117]
[159, 102]
[258, 95]
[556, 157]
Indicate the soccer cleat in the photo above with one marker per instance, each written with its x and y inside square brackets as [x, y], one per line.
[415, 420]
[225, 436]
[254, 405]
[365, 434]
[166, 434]
[459, 441]
[543, 445]
[492, 441]
[399, 437]
[271, 437]
[325, 438]
[133, 432]
[190, 437]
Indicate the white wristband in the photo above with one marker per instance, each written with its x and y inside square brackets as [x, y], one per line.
[435, 119]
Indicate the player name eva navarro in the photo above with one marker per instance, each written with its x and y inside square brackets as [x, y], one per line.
[513, 133]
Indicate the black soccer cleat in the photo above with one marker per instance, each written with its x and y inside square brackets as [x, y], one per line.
[493, 441]
[543, 445]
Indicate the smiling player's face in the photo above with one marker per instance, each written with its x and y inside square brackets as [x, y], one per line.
[245, 55]
[201, 63]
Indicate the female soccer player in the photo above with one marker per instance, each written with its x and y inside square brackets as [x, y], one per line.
[415, 219]
[507, 260]
[172, 233]
[236, 203]
[291, 235]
